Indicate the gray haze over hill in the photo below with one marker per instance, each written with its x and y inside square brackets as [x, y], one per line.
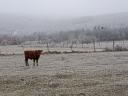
[19, 24]
[48, 16]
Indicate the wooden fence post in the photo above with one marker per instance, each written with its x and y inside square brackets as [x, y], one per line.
[48, 47]
[94, 46]
[71, 46]
[82, 43]
[67, 44]
[113, 45]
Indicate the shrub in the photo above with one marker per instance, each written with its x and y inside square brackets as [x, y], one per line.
[117, 48]
[120, 48]
[107, 49]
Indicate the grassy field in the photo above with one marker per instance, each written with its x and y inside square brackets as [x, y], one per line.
[85, 74]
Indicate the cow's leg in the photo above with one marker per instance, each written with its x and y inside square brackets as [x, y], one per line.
[37, 62]
[26, 62]
[33, 62]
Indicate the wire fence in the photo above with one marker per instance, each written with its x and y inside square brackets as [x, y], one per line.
[66, 47]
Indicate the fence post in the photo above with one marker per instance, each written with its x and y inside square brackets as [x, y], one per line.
[71, 46]
[123, 43]
[82, 43]
[94, 45]
[113, 45]
[47, 47]
[63, 44]
[67, 44]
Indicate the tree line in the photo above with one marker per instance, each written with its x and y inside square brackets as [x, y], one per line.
[96, 34]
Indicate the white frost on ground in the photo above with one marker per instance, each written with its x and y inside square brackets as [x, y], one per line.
[104, 74]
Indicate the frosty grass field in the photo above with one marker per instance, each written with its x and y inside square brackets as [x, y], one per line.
[85, 74]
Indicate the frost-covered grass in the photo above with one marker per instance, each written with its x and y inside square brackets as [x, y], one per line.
[84, 74]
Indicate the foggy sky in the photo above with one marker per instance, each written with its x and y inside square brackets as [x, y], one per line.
[63, 8]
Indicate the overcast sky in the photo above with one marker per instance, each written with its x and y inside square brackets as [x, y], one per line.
[63, 8]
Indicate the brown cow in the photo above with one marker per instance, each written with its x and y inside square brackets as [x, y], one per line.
[33, 55]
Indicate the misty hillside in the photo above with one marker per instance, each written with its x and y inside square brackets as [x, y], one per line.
[22, 24]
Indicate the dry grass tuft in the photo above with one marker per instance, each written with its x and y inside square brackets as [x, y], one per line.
[63, 76]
